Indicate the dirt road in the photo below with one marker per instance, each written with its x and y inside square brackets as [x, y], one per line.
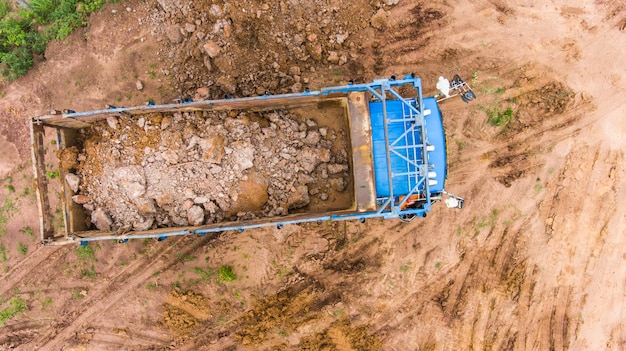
[534, 261]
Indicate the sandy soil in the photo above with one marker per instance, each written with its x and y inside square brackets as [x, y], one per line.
[534, 261]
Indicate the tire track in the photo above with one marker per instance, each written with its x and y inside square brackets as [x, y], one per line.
[117, 288]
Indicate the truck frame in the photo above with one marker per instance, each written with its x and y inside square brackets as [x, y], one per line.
[397, 161]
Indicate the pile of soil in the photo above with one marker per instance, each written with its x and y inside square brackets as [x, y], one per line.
[246, 48]
[178, 169]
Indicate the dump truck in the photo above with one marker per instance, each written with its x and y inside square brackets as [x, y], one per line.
[351, 152]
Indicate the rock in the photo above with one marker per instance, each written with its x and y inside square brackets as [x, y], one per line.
[228, 30]
[315, 51]
[166, 122]
[323, 196]
[296, 88]
[173, 33]
[340, 38]
[164, 199]
[195, 215]
[112, 122]
[139, 85]
[309, 159]
[336, 168]
[130, 180]
[323, 131]
[170, 156]
[243, 157]
[101, 220]
[299, 198]
[200, 200]
[379, 20]
[226, 84]
[190, 28]
[73, 181]
[338, 184]
[145, 205]
[128, 9]
[146, 224]
[215, 11]
[333, 57]
[312, 37]
[81, 199]
[324, 155]
[187, 204]
[132, 190]
[390, 2]
[294, 71]
[212, 49]
[203, 93]
[141, 122]
[212, 149]
[312, 138]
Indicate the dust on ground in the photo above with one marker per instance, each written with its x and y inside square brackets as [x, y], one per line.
[531, 262]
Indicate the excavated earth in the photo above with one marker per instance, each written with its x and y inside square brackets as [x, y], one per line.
[194, 168]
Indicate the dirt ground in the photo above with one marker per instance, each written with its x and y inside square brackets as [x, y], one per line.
[535, 260]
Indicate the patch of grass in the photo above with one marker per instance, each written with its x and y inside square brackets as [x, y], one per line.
[151, 71]
[151, 286]
[205, 274]
[405, 267]
[28, 231]
[185, 258]
[77, 294]
[22, 248]
[89, 272]
[53, 174]
[498, 118]
[538, 188]
[10, 188]
[16, 305]
[3, 254]
[500, 91]
[86, 253]
[6, 212]
[46, 302]
[438, 265]
[226, 274]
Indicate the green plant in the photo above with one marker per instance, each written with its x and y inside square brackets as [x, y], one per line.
[22, 248]
[3, 254]
[538, 188]
[85, 253]
[226, 274]
[10, 188]
[151, 286]
[46, 302]
[438, 265]
[204, 274]
[53, 174]
[78, 294]
[499, 118]
[4, 8]
[28, 231]
[16, 305]
[404, 267]
[88, 272]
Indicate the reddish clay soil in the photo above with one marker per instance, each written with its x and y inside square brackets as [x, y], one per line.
[535, 260]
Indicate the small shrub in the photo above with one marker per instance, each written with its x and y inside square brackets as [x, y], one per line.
[498, 118]
[3, 254]
[16, 305]
[28, 231]
[85, 253]
[226, 274]
[205, 274]
[22, 248]
[53, 174]
[88, 272]
[10, 188]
